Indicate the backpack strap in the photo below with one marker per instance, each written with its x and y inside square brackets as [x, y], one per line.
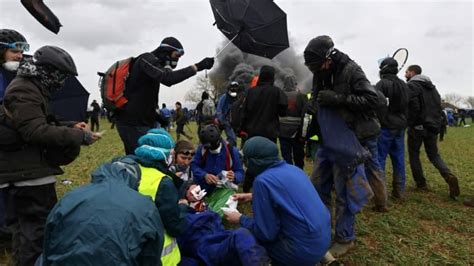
[228, 157]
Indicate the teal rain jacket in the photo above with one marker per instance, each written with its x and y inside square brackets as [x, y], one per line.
[105, 223]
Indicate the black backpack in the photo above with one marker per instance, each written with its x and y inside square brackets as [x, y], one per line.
[236, 112]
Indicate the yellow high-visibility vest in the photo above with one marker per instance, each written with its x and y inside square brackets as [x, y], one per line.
[149, 183]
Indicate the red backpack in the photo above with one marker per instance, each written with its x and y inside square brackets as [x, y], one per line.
[113, 82]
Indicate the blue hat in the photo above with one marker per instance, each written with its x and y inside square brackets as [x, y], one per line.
[155, 145]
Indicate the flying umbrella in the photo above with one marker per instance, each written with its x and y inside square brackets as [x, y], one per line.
[255, 27]
[42, 14]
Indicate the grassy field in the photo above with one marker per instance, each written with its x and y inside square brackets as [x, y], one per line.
[425, 228]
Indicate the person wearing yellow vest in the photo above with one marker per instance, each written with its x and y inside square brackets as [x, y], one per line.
[156, 181]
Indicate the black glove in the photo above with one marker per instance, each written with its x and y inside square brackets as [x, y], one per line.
[206, 63]
[87, 140]
[330, 98]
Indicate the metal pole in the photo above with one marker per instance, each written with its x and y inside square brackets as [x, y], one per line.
[227, 45]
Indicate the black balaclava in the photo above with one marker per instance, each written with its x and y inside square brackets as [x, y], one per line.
[388, 66]
[50, 78]
[163, 52]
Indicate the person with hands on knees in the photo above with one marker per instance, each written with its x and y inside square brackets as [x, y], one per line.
[289, 218]
[33, 146]
[216, 163]
[147, 72]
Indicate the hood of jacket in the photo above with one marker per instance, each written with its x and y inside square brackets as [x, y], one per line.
[124, 170]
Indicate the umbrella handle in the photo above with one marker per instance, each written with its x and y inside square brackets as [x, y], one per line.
[218, 53]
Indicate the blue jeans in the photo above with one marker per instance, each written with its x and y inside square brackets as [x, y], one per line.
[375, 174]
[392, 142]
[130, 136]
[292, 150]
[326, 176]
[231, 138]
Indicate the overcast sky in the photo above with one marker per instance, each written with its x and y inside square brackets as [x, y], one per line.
[438, 34]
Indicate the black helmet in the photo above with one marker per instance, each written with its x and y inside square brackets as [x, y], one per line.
[210, 136]
[55, 57]
[8, 36]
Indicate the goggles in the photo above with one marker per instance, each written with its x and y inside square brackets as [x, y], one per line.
[180, 51]
[24, 46]
[187, 153]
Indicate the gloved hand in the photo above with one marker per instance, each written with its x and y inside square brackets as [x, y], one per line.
[198, 193]
[330, 98]
[206, 63]
[88, 138]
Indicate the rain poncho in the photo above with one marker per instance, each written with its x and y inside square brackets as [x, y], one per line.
[104, 223]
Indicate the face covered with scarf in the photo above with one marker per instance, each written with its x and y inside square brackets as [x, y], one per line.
[50, 78]
[260, 154]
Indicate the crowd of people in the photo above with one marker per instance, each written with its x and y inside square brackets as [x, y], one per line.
[163, 201]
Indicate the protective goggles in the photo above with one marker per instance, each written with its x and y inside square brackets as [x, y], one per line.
[24, 46]
[187, 153]
[180, 51]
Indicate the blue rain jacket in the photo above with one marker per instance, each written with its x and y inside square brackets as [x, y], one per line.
[206, 242]
[289, 218]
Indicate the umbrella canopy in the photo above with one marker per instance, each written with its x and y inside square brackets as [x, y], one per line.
[43, 14]
[255, 27]
[70, 102]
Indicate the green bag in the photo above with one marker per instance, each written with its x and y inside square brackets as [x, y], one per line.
[218, 198]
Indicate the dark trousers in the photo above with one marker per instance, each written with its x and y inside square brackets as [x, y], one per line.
[95, 123]
[292, 150]
[2, 209]
[130, 135]
[415, 139]
[27, 210]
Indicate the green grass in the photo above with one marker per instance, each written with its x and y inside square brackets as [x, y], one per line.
[426, 228]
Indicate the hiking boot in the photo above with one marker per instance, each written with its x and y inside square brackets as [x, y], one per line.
[339, 249]
[453, 185]
[380, 209]
[396, 194]
[422, 188]
[469, 202]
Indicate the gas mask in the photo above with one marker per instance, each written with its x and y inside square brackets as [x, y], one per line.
[11, 65]
[214, 150]
[169, 63]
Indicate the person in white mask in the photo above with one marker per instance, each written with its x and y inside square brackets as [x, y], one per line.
[223, 111]
[12, 46]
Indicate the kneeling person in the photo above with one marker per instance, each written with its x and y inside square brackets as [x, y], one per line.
[289, 218]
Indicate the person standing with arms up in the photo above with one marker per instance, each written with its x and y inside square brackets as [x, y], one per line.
[148, 71]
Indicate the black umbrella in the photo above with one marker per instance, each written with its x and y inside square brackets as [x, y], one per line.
[254, 26]
[43, 14]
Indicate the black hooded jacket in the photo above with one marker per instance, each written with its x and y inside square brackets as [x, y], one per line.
[361, 99]
[263, 106]
[143, 86]
[424, 107]
[393, 116]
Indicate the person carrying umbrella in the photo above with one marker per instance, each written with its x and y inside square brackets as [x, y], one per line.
[147, 72]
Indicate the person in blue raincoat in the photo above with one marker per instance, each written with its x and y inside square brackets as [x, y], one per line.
[223, 111]
[289, 218]
[104, 223]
